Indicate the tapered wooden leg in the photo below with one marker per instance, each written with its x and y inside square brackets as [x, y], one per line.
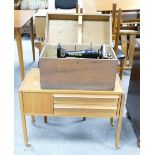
[119, 125]
[112, 122]
[84, 118]
[32, 38]
[24, 130]
[32, 119]
[20, 51]
[45, 119]
[23, 120]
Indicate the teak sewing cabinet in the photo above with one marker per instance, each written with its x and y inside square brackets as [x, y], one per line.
[35, 101]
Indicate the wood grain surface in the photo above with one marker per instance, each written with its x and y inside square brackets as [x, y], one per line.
[21, 17]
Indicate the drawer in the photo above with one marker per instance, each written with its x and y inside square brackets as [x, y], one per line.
[38, 103]
[85, 105]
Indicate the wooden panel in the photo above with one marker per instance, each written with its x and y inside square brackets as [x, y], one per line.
[96, 29]
[40, 24]
[74, 28]
[99, 29]
[61, 28]
[103, 100]
[90, 105]
[63, 31]
[84, 112]
[38, 103]
[74, 74]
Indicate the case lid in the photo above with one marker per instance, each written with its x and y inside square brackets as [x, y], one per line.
[78, 29]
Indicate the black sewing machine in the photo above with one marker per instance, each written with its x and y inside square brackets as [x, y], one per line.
[87, 53]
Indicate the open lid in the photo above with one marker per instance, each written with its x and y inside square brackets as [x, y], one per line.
[78, 29]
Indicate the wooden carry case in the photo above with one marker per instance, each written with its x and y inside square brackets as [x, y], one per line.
[77, 31]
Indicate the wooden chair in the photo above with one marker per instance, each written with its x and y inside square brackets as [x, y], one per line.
[116, 33]
[127, 38]
[129, 31]
[116, 23]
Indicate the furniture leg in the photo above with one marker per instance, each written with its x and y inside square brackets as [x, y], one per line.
[32, 38]
[119, 125]
[23, 120]
[121, 69]
[32, 119]
[39, 46]
[25, 130]
[20, 51]
[124, 47]
[45, 119]
[84, 118]
[112, 122]
[132, 49]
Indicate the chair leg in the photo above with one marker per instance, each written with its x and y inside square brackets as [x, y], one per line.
[112, 122]
[45, 119]
[131, 49]
[32, 119]
[121, 68]
[84, 118]
[39, 46]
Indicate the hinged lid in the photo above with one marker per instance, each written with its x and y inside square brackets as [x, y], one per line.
[78, 29]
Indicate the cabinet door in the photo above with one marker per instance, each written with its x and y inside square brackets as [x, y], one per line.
[38, 103]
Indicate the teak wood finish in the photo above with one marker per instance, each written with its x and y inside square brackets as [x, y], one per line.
[21, 17]
[76, 103]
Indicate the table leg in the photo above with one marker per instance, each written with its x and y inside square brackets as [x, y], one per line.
[20, 51]
[119, 126]
[32, 38]
[45, 119]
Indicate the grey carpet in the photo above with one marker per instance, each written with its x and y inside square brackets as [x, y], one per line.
[64, 135]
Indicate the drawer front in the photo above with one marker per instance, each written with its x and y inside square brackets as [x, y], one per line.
[85, 105]
[38, 103]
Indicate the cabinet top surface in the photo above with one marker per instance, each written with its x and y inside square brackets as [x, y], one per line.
[31, 83]
[21, 17]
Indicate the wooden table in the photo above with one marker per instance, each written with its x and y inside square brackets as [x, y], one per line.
[21, 17]
[76, 103]
[125, 5]
[89, 6]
